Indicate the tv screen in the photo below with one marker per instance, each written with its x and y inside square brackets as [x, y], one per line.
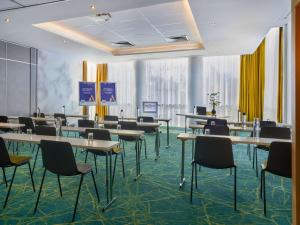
[150, 107]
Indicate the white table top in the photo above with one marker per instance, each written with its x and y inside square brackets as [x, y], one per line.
[235, 139]
[11, 125]
[155, 119]
[231, 128]
[129, 133]
[204, 117]
[75, 142]
[144, 124]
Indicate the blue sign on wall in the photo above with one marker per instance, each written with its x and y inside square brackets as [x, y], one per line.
[108, 93]
[87, 93]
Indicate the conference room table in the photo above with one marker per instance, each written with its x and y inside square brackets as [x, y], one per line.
[183, 137]
[137, 134]
[13, 126]
[231, 128]
[166, 120]
[196, 116]
[104, 146]
[141, 125]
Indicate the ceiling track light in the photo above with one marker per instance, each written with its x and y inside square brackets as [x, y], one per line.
[33, 5]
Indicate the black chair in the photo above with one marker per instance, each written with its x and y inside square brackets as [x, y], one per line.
[201, 110]
[221, 122]
[63, 117]
[110, 118]
[46, 131]
[270, 132]
[40, 123]
[215, 153]
[102, 134]
[87, 124]
[59, 159]
[7, 160]
[128, 125]
[217, 130]
[4, 119]
[267, 123]
[27, 121]
[279, 163]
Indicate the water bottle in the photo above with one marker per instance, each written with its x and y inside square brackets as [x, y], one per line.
[256, 127]
[122, 114]
[194, 110]
[96, 121]
[244, 118]
[137, 112]
[60, 125]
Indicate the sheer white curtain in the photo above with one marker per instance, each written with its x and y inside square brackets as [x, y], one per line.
[123, 73]
[166, 82]
[271, 74]
[222, 74]
[91, 77]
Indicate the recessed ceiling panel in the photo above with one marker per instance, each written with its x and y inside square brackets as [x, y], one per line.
[6, 4]
[32, 2]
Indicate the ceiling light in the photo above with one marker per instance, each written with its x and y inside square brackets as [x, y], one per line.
[177, 38]
[65, 41]
[7, 20]
[93, 7]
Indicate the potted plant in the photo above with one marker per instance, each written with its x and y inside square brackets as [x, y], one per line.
[214, 101]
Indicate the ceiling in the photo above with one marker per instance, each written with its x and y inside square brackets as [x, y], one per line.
[222, 27]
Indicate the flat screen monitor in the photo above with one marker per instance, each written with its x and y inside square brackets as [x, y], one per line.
[201, 110]
[150, 107]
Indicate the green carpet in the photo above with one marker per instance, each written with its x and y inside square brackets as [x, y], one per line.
[155, 198]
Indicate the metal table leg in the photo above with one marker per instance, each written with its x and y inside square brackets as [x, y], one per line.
[168, 135]
[137, 158]
[182, 179]
[157, 144]
[108, 181]
[185, 118]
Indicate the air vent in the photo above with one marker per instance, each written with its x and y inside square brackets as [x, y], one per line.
[101, 17]
[123, 44]
[177, 38]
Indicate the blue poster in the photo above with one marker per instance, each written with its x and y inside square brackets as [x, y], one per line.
[108, 93]
[87, 93]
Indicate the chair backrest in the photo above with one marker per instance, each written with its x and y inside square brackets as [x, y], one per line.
[99, 134]
[4, 157]
[58, 158]
[3, 119]
[111, 118]
[275, 132]
[128, 125]
[217, 121]
[27, 121]
[267, 123]
[147, 119]
[45, 130]
[86, 123]
[35, 114]
[62, 116]
[280, 159]
[201, 110]
[217, 129]
[213, 152]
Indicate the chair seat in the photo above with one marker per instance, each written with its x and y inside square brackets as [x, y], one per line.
[84, 168]
[19, 160]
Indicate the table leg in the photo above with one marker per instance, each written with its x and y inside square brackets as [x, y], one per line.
[157, 144]
[168, 135]
[109, 186]
[182, 179]
[137, 159]
[185, 118]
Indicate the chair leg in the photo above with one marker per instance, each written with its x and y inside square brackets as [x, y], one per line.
[38, 198]
[76, 152]
[123, 145]
[11, 183]
[253, 157]
[96, 189]
[113, 177]
[59, 185]
[35, 158]
[86, 155]
[196, 176]
[261, 183]
[4, 176]
[29, 167]
[264, 193]
[77, 198]
[235, 189]
[95, 162]
[192, 183]
[123, 167]
[256, 163]
[145, 145]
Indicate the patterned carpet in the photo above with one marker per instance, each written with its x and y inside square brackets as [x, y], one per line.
[155, 198]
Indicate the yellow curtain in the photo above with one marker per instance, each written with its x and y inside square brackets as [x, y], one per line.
[252, 83]
[101, 77]
[280, 77]
[84, 78]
